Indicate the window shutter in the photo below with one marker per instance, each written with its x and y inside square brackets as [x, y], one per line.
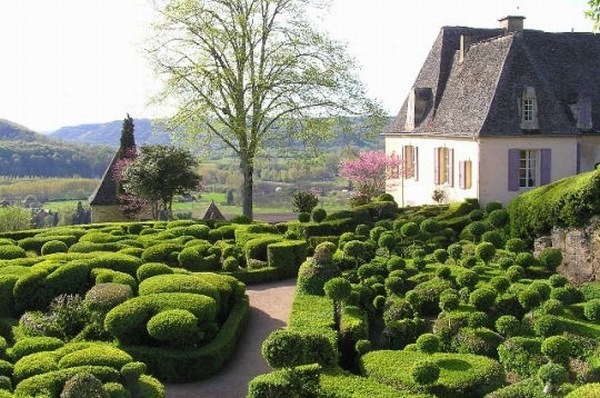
[461, 175]
[415, 164]
[545, 163]
[451, 167]
[436, 166]
[513, 169]
[407, 158]
[468, 179]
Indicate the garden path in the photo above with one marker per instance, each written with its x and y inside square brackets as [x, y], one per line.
[270, 306]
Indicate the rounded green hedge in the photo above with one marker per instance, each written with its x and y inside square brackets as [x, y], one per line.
[149, 270]
[35, 364]
[32, 345]
[97, 355]
[10, 252]
[172, 325]
[179, 283]
[128, 321]
[117, 262]
[54, 246]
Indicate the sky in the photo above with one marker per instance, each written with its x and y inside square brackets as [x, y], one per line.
[69, 62]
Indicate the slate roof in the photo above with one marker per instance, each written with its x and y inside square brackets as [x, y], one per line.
[480, 95]
[106, 192]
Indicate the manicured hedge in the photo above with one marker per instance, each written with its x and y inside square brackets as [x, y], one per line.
[117, 262]
[302, 381]
[179, 366]
[287, 254]
[128, 321]
[586, 391]
[179, 283]
[10, 252]
[569, 202]
[32, 345]
[462, 375]
[35, 364]
[96, 355]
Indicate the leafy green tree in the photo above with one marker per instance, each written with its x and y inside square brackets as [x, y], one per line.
[159, 173]
[251, 72]
[593, 13]
[14, 218]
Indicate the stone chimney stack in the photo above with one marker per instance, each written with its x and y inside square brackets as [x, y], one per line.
[512, 23]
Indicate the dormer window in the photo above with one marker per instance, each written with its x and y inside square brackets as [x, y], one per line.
[529, 109]
[419, 103]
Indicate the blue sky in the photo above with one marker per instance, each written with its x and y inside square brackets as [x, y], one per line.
[67, 62]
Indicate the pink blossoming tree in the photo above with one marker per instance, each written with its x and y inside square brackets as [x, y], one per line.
[370, 170]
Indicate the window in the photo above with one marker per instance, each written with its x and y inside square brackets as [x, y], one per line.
[465, 180]
[529, 109]
[443, 162]
[410, 155]
[528, 168]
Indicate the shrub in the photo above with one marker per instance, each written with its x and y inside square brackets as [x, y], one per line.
[443, 272]
[256, 248]
[179, 283]
[521, 355]
[102, 275]
[318, 214]
[286, 348]
[425, 372]
[32, 345]
[409, 229]
[304, 217]
[302, 381]
[395, 263]
[500, 283]
[485, 251]
[552, 373]
[161, 253]
[428, 343]
[552, 307]
[118, 262]
[557, 280]
[431, 226]
[455, 251]
[480, 341]
[34, 364]
[498, 218]
[83, 385]
[312, 276]
[585, 391]
[173, 326]
[10, 252]
[449, 300]
[515, 245]
[550, 258]
[493, 237]
[529, 299]
[476, 229]
[396, 309]
[148, 270]
[31, 291]
[557, 349]
[547, 325]
[591, 310]
[304, 201]
[98, 354]
[467, 278]
[567, 294]
[525, 260]
[441, 255]
[54, 246]
[105, 296]
[542, 288]
[288, 254]
[508, 325]
[515, 272]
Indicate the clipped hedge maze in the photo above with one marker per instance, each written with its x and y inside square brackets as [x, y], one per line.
[95, 309]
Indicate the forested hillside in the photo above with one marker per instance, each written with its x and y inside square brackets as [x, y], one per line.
[26, 153]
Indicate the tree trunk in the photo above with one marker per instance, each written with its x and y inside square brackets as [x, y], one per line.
[247, 168]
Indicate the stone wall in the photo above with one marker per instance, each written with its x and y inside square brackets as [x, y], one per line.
[580, 248]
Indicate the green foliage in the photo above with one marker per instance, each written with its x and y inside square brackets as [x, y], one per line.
[161, 253]
[98, 354]
[552, 373]
[175, 326]
[409, 229]
[498, 218]
[591, 310]
[54, 246]
[568, 202]
[105, 296]
[318, 214]
[548, 325]
[304, 202]
[486, 251]
[312, 276]
[337, 289]
[557, 349]
[508, 325]
[149, 270]
[32, 345]
[288, 254]
[302, 382]
[515, 245]
[10, 252]
[586, 391]
[550, 258]
[521, 355]
[83, 385]
[288, 348]
[428, 343]
[425, 372]
[34, 364]
[303, 217]
[14, 218]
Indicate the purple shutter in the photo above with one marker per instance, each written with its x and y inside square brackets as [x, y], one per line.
[578, 164]
[545, 163]
[415, 164]
[436, 166]
[513, 169]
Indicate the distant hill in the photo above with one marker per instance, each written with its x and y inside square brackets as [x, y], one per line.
[110, 133]
[148, 132]
[24, 152]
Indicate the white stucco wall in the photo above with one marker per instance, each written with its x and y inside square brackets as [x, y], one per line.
[494, 163]
[489, 157]
[420, 191]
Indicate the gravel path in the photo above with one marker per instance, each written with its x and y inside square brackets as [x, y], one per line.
[270, 306]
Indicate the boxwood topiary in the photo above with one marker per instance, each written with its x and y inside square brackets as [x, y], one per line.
[10, 252]
[98, 354]
[83, 385]
[176, 326]
[179, 283]
[521, 355]
[103, 275]
[148, 270]
[161, 253]
[117, 262]
[105, 296]
[54, 246]
[35, 364]
[32, 345]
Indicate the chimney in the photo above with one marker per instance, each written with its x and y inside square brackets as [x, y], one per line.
[512, 23]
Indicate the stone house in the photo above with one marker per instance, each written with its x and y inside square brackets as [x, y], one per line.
[103, 202]
[496, 112]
